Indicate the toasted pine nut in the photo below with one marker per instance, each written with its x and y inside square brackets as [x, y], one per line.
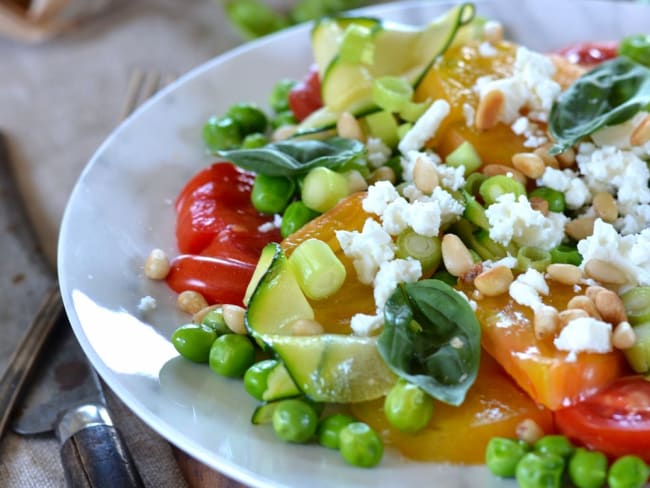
[594, 290]
[502, 169]
[470, 275]
[190, 301]
[284, 132]
[493, 31]
[548, 159]
[604, 272]
[623, 336]
[356, 181]
[233, 316]
[530, 164]
[545, 322]
[455, 255]
[529, 431]
[605, 206]
[641, 133]
[305, 327]
[198, 317]
[383, 173]
[539, 204]
[156, 267]
[570, 314]
[495, 281]
[489, 109]
[580, 228]
[610, 306]
[567, 274]
[582, 302]
[348, 126]
[425, 176]
[567, 158]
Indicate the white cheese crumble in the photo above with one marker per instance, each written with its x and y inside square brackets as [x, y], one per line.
[378, 152]
[364, 325]
[147, 304]
[451, 177]
[528, 287]
[517, 221]
[635, 218]
[379, 196]
[469, 113]
[509, 262]
[566, 181]
[425, 127]
[391, 274]
[535, 137]
[269, 226]
[584, 334]
[487, 50]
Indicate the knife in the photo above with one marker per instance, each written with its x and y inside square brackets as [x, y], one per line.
[67, 397]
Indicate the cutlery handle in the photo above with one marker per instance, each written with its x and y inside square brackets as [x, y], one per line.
[25, 355]
[93, 453]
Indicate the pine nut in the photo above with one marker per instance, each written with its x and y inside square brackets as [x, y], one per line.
[529, 431]
[545, 322]
[493, 31]
[198, 317]
[641, 133]
[233, 316]
[604, 272]
[347, 126]
[470, 276]
[383, 173]
[425, 176]
[455, 255]
[539, 204]
[582, 302]
[580, 228]
[594, 290]
[190, 301]
[502, 169]
[284, 132]
[567, 274]
[530, 164]
[605, 206]
[623, 336]
[156, 267]
[568, 315]
[495, 281]
[548, 159]
[610, 306]
[489, 109]
[305, 327]
[356, 181]
[567, 158]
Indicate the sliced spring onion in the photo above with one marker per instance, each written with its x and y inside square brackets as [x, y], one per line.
[383, 126]
[322, 188]
[638, 356]
[555, 199]
[474, 211]
[427, 250]
[495, 186]
[356, 45]
[318, 271]
[637, 304]
[473, 183]
[465, 155]
[391, 93]
[566, 254]
[533, 257]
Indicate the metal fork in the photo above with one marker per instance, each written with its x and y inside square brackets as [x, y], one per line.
[142, 86]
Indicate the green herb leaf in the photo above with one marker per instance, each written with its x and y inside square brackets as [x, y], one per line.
[610, 94]
[432, 339]
[296, 157]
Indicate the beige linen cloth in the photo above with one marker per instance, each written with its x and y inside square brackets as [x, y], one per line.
[58, 101]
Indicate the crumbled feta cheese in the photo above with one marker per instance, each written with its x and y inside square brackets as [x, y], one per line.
[634, 219]
[520, 126]
[469, 113]
[369, 249]
[566, 181]
[508, 262]
[379, 196]
[517, 221]
[424, 218]
[391, 274]
[535, 279]
[378, 152]
[395, 218]
[487, 50]
[451, 177]
[585, 334]
[618, 135]
[364, 325]
[526, 289]
[628, 253]
[410, 158]
[147, 304]
[425, 127]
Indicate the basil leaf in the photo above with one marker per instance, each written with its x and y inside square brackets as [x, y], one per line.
[432, 339]
[610, 94]
[296, 157]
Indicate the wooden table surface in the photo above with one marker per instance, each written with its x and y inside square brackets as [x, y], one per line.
[198, 475]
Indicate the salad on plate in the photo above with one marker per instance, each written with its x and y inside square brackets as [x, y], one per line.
[438, 242]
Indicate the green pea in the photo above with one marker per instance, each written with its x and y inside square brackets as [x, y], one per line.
[284, 118]
[566, 254]
[254, 141]
[588, 469]
[555, 444]
[294, 421]
[330, 427]
[221, 134]
[271, 194]
[215, 321]
[555, 199]
[627, 472]
[637, 48]
[360, 445]
[407, 407]
[295, 216]
[502, 455]
[279, 99]
[249, 117]
[193, 342]
[256, 377]
[537, 470]
[231, 355]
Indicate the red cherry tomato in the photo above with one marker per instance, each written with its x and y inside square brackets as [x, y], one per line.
[616, 420]
[589, 53]
[305, 97]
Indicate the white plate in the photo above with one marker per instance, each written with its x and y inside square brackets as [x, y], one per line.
[121, 208]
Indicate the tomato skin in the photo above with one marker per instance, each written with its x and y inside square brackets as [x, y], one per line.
[615, 421]
[305, 97]
[589, 53]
